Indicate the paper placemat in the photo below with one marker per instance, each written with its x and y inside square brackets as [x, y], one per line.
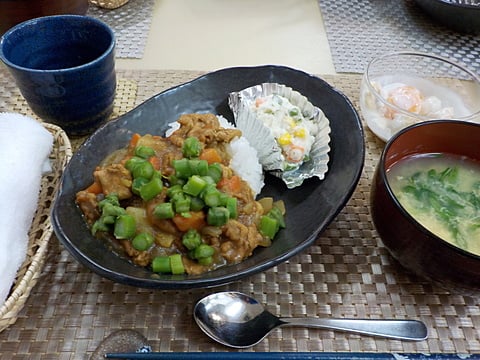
[346, 273]
[359, 30]
[131, 24]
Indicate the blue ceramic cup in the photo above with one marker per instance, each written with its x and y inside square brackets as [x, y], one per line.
[64, 66]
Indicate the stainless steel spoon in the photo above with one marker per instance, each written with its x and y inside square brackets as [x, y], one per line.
[237, 320]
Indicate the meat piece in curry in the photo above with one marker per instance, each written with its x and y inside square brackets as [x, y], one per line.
[173, 203]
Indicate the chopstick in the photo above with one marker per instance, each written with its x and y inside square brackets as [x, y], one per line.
[281, 355]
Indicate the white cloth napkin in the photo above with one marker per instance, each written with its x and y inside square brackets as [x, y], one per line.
[25, 146]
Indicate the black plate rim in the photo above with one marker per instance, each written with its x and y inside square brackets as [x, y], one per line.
[459, 5]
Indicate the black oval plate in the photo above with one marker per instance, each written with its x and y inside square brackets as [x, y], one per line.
[310, 207]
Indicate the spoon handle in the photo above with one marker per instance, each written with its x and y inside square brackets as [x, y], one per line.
[396, 329]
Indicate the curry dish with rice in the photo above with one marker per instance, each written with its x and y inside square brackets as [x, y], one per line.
[173, 204]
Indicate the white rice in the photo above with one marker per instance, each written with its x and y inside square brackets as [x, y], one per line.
[244, 158]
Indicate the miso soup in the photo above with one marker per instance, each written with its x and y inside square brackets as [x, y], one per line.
[442, 192]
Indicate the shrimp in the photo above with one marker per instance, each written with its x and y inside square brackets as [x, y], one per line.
[405, 97]
[259, 101]
[294, 153]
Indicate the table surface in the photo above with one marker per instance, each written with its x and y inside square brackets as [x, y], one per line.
[346, 273]
[211, 34]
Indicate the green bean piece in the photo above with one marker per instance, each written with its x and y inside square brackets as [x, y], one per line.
[137, 184]
[125, 227]
[143, 169]
[191, 239]
[161, 264]
[143, 241]
[144, 151]
[211, 196]
[203, 251]
[108, 219]
[151, 189]
[223, 198]
[182, 168]
[205, 261]
[181, 204]
[176, 264]
[111, 199]
[208, 187]
[217, 216]
[215, 172]
[196, 204]
[99, 225]
[164, 211]
[174, 190]
[209, 180]
[231, 205]
[276, 214]
[112, 210]
[175, 180]
[194, 185]
[192, 147]
[198, 167]
[131, 163]
[268, 226]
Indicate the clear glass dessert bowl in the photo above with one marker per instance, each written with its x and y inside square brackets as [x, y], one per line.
[406, 88]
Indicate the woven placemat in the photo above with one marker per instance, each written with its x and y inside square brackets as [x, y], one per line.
[130, 23]
[346, 273]
[358, 30]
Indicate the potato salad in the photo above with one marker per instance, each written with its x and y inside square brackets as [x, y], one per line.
[293, 132]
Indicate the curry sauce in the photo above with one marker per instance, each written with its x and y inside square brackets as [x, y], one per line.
[213, 205]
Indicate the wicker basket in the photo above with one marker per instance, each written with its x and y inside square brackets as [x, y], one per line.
[108, 4]
[40, 231]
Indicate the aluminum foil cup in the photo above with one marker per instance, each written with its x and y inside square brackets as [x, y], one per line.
[262, 138]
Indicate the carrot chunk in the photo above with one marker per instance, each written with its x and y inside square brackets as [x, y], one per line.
[195, 220]
[95, 188]
[134, 140]
[211, 155]
[156, 162]
[230, 185]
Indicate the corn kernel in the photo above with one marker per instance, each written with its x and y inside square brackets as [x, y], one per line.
[300, 132]
[285, 139]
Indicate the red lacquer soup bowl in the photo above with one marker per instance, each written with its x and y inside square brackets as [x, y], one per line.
[412, 244]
